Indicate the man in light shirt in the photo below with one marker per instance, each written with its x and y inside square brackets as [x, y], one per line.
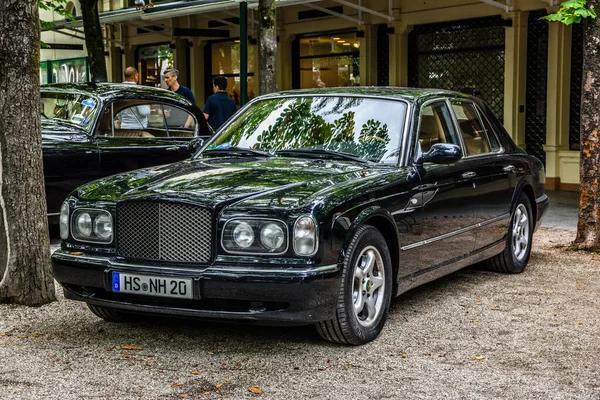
[133, 117]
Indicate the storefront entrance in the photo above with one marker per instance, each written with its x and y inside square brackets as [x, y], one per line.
[328, 60]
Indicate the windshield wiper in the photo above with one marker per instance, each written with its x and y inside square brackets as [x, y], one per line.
[236, 151]
[321, 153]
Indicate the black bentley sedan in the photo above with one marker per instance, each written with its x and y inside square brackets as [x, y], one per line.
[91, 131]
[309, 207]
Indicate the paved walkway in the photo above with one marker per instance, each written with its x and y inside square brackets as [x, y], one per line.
[563, 211]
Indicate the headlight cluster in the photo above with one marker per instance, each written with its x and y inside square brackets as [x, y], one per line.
[247, 235]
[91, 225]
[266, 236]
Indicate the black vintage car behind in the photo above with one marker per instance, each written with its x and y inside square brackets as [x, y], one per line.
[308, 207]
[93, 130]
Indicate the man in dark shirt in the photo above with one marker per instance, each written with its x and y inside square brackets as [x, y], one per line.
[171, 79]
[176, 117]
[219, 106]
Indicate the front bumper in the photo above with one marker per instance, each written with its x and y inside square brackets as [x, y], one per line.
[271, 295]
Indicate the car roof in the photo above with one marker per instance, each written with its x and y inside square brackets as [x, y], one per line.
[401, 93]
[109, 91]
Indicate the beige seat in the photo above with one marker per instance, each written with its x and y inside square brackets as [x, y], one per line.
[132, 133]
[428, 132]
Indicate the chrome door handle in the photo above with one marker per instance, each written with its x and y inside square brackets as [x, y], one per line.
[173, 148]
[508, 168]
[468, 175]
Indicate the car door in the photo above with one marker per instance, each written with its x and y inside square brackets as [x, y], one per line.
[71, 159]
[448, 196]
[161, 139]
[495, 176]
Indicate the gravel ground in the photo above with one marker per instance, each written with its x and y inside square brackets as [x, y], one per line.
[471, 335]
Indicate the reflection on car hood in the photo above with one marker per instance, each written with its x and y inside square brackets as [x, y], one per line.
[269, 182]
[54, 130]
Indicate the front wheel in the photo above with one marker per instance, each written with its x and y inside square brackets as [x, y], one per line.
[365, 293]
[515, 256]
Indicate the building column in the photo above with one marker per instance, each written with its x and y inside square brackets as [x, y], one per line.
[558, 104]
[515, 75]
[197, 71]
[368, 56]
[181, 62]
[399, 54]
[284, 59]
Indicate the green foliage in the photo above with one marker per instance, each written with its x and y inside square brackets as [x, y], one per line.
[58, 6]
[572, 11]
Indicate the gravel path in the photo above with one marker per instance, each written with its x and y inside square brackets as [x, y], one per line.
[471, 335]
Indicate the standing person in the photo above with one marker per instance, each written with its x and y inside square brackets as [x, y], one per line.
[219, 106]
[133, 117]
[171, 79]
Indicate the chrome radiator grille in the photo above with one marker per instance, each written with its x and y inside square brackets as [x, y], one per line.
[164, 232]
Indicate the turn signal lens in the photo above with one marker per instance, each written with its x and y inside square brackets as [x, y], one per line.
[64, 221]
[305, 236]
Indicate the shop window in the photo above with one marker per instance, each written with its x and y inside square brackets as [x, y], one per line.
[152, 61]
[66, 70]
[329, 61]
[225, 61]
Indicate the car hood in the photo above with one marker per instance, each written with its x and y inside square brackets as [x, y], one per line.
[268, 182]
[53, 131]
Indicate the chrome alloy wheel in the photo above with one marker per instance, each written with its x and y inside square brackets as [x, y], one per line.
[368, 286]
[520, 233]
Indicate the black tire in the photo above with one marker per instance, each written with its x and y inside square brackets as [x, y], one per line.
[515, 256]
[366, 284]
[108, 314]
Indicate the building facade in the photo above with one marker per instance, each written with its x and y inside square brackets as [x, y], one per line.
[526, 69]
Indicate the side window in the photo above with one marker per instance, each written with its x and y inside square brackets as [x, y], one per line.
[148, 120]
[490, 134]
[130, 119]
[478, 136]
[180, 123]
[436, 126]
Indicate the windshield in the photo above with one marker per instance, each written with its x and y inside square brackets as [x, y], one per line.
[367, 128]
[73, 108]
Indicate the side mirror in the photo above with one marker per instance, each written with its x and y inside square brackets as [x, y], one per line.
[195, 144]
[442, 153]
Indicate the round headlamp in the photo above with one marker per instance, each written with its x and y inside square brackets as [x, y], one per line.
[243, 235]
[272, 236]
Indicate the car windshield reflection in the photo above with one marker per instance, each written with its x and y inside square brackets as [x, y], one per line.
[72, 108]
[358, 128]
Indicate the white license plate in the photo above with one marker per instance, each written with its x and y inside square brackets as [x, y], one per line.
[152, 285]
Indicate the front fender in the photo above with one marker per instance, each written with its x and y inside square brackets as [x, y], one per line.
[345, 225]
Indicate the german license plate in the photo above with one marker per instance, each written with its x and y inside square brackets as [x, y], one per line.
[152, 285]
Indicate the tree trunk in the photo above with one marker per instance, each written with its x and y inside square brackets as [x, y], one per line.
[25, 276]
[267, 46]
[588, 226]
[94, 40]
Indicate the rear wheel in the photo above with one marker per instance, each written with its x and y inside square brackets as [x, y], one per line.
[108, 314]
[365, 293]
[515, 256]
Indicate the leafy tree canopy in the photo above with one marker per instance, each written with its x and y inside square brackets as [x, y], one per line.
[572, 11]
